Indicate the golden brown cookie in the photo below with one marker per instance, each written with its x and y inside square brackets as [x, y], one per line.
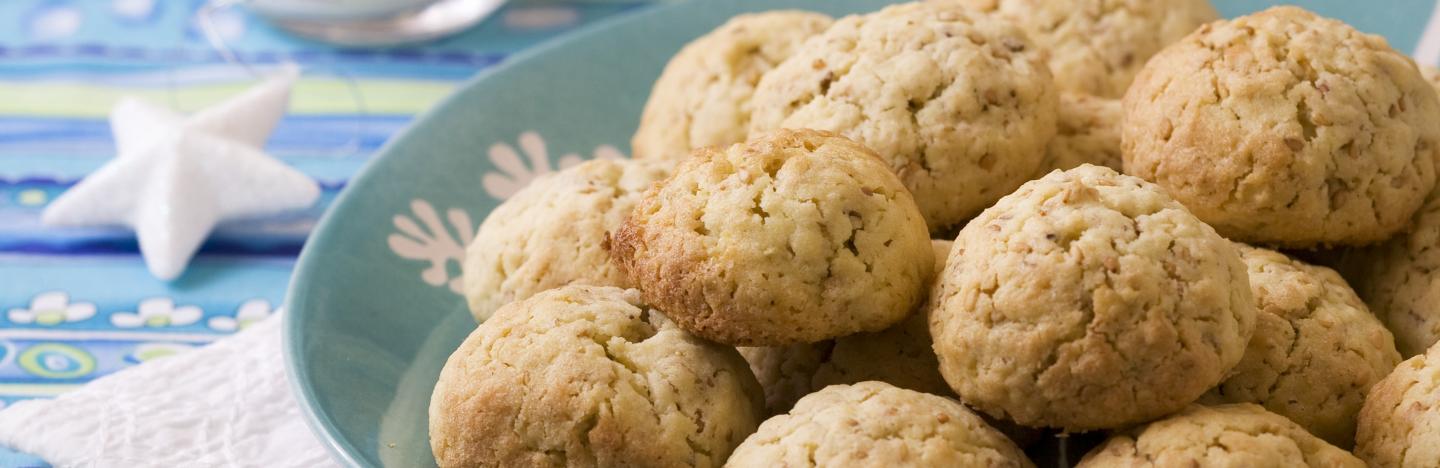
[793, 237]
[1238, 435]
[1286, 128]
[1400, 423]
[959, 105]
[590, 376]
[1400, 280]
[1097, 46]
[703, 96]
[1089, 300]
[1316, 349]
[1088, 132]
[554, 232]
[874, 424]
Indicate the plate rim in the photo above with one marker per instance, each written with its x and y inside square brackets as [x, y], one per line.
[322, 425]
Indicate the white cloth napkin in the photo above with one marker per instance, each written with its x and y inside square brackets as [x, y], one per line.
[227, 404]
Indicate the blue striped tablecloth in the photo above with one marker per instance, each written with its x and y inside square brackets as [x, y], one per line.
[77, 304]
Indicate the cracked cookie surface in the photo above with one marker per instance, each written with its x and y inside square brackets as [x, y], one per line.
[590, 376]
[959, 105]
[793, 237]
[1089, 300]
[1400, 423]
[703, 96]
[1235, 435]
[1287, 129]
[1087, 132]
[877, 424]
[1316, 350]
[1400, 280]
[1098, 46]
[554, 232]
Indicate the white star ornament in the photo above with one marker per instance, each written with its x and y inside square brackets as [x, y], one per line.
[176, 177]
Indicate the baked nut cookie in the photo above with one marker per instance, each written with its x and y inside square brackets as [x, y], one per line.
[1400, 281]
[703, 96]
[1089, 300]
[1316, 349]
[900, 355]
[1227, 435]
[1400, 423]
[554, 232]
[1088, 132]
[589, 376]
[793, 237]
[880, 425]
[1097, 46]
[960, 105]
[1286, 128]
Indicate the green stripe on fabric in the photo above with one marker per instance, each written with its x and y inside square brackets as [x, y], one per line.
[310, 96]
[36, 390]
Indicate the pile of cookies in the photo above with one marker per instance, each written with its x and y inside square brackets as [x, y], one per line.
[952, 232]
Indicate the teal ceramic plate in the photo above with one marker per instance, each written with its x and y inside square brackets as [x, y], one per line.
[374, 311]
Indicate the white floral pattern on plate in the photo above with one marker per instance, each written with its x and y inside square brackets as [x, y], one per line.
[516, 174]
[435, 243]
[50, 309]
[157, 312]
[439, 244]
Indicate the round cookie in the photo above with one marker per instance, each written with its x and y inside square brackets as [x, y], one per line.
[880, 425]
[703, 96]
[1400, 423]
[1088, 132]
[1227, 435]
[1097, 46]
[900, 355]
[1286, 128]
[959, 105]
[589, 376]
[554, 232]
[1316, 349]
[793, 237]
[1089, 300]
[1400, 281]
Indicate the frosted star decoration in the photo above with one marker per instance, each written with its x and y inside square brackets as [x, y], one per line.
[176, 177]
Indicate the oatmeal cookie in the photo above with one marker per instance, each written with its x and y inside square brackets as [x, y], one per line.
[1089, 300]
[590, 376]
[1400, 280]
[793, 237]
[1400, 423]
[1088, 132]
[1316, 349]
[703, 96]
[960, 105]
[1286, 128]
[1097, 46]
[880, 425]
[554, 232]
[1222, 436]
